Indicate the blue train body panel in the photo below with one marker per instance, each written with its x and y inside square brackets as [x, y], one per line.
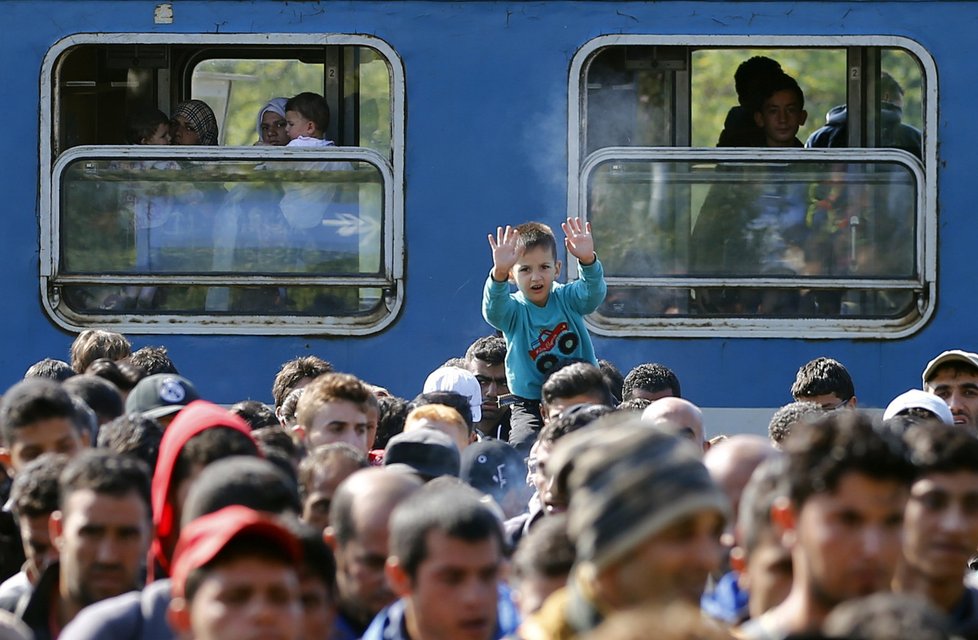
[486, 143]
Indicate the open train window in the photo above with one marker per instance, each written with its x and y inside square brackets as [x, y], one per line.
[710, 230]
[234, 237]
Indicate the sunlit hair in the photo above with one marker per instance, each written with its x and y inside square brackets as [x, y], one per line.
[534, 235]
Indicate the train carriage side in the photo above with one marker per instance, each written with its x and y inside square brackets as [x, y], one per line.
[452, 118]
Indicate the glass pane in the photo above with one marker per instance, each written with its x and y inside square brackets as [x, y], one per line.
[630, 96]
[714, 103]
[196, 300]
[238, 89]
[679, 302]
[686, 219]
[375, 102]
[233, 218]
[901, 115]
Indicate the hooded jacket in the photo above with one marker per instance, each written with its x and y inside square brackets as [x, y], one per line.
[192, 420]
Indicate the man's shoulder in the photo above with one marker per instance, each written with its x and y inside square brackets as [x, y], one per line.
[137, 615]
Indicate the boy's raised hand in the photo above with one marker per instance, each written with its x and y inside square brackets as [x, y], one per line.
[579, 241]
[504, 253]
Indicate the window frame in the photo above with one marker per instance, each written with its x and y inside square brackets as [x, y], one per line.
[579, 167]
[391, 169]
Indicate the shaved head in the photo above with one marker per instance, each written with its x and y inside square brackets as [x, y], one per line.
[731, 463]
[678, 416]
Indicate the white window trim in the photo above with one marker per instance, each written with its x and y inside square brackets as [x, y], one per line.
[835, 327]
[392, 171]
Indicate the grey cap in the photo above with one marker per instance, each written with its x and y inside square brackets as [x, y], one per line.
[628, 482]
[954, 355]
[428, 452]
[161, 395]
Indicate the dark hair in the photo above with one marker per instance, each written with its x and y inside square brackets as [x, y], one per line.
[57, 370]
[821, 452]
[107, 473]
[454, 510]
[124, 375]
[143, 124]
[768, 483]
[448, 398]
[534, 235]
[209, 446]
[92, 344]
[889, 86]
[941, 448]
[257, 414]
[241, 480]
[312, 107]
[571, 420]
[153, 360]
[651, 377]
[752, 73]
[99, 394]
[275, 437]
[393, 412]
[35, 399]
[318, 560]
[135, 435]
[545, 551]
[882, 616]
[789, 415]
[578, 378]
[822, 376]
[776, 83]
[633, 404]
[613, 379]
[35, 488]
[488, 349]
[291, 372]
[320, 459]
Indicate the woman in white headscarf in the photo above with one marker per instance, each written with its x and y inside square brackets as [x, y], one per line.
[271, 123]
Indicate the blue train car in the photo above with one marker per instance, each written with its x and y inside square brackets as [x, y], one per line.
[452, 118]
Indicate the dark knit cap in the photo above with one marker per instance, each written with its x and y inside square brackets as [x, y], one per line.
[626, 483]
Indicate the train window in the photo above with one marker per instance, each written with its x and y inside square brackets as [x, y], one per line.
[707, 233]
[233, 238]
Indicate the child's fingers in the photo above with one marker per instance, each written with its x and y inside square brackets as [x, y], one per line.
[492, 242]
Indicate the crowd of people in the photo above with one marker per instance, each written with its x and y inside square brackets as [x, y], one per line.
[529, 491]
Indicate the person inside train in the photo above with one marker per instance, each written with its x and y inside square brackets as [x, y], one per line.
[193, 123]
[306, 120]
[272, 124]
[148, 126]
[739, 128]
[780, 111]
[893, 131]
[759, 227]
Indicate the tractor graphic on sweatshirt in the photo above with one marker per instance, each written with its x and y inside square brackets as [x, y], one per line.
[561, 337]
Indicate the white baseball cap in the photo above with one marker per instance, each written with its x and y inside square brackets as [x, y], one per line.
[460, 381]
[917, 399]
